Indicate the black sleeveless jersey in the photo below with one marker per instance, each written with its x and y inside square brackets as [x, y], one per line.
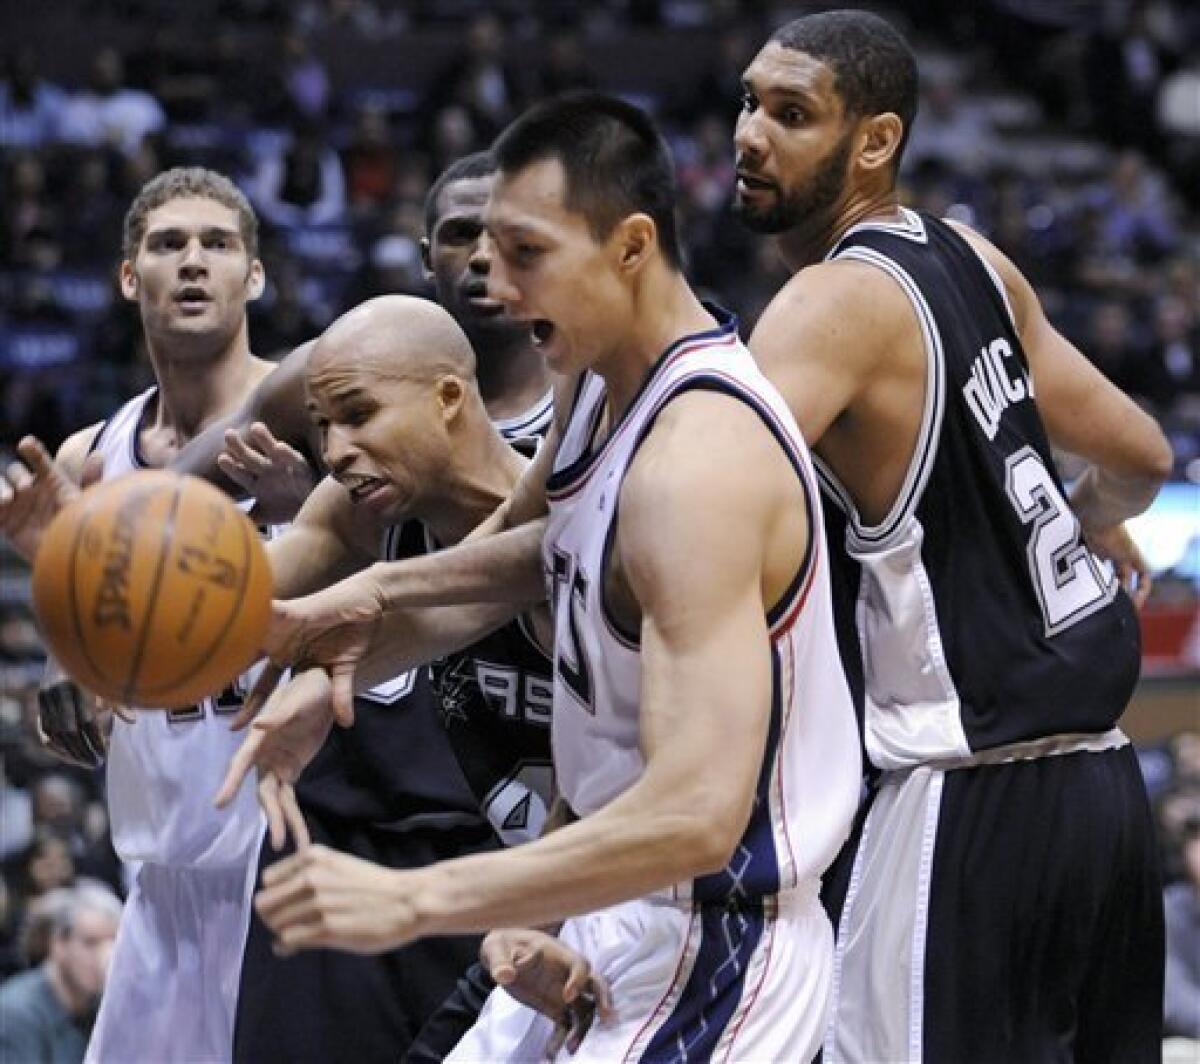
[980, 616]
[395, 768]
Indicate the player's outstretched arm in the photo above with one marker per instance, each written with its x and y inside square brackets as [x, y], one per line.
[706, 695]
[260, 448]
[34, 488]
[1087, 415]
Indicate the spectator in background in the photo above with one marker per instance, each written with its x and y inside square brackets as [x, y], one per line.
[564, 66]
[454, 133]
[30, 221]
[371, 160]
[46, 1014]
[30, 108]
[1175, 354]
[953, 128]
[1110, 343]
[1182, 905]
[305, 81]
[301, 182]
[480, 80]
[110, 112]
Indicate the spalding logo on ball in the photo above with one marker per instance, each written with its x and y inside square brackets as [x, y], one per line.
[152, 590]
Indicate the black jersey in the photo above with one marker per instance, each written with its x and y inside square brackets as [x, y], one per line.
[984, 620]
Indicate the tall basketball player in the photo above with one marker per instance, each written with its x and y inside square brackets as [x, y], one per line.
[190, 263]
[699, 732]
[1006, 870]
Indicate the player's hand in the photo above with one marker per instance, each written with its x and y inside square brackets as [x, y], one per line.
[321, 898]
[543, 973]
[333, 628]
[285, 737]
[275, 473]
[72, 723]
[32, 491]
[1116, 545]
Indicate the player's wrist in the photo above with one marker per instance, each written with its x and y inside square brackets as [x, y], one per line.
[427, 901]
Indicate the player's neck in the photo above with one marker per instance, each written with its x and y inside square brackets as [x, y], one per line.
[483, 471]
[807, 244]
[195, 388]
[511, 379]
[666, 310]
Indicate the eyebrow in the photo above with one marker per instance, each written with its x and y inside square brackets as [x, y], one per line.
[801, 94]
[205, 231]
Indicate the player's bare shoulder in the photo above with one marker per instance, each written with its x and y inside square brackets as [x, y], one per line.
[74, 450]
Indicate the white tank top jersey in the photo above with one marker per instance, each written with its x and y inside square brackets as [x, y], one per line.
[808, 786]
[165, 767]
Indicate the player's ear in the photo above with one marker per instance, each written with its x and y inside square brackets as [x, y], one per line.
[881, 136]
[451, 394]
[426, 258]
[256, 279]
[635, 237]
[129, 281]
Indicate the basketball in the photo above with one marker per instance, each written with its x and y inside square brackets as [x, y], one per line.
[152, 590]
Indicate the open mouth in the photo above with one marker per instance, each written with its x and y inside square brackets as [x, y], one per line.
[192, 297]
[361, 488]
[540, 330]
[748, 182]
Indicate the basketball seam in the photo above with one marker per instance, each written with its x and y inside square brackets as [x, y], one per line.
[202, 659]
[165, 543]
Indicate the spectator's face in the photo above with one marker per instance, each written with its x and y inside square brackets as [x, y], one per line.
[82, 954]
[382, 433]
[50, 866]
[792, 142]
[571, 289]
[459, 259]
[192, 276]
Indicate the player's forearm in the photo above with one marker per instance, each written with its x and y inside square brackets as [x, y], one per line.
[1102, 499]
[506, 567]
[640, 843]
[199, 457]
[414, 637]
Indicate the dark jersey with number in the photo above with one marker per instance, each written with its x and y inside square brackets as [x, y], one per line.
[981, 616]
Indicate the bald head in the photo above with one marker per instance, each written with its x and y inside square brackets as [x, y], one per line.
[396, 337]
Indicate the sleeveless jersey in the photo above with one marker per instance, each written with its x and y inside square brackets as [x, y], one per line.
[165, 767]
[981, 617]
[495, 696]
[809, 781]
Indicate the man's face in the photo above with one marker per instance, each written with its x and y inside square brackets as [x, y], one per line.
[552, 273]
[792, 141]
[381, 435]
[192, 276]
[82, 954]
[460, 264]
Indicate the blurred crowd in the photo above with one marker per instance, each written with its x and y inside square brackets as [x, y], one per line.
[1068, 132]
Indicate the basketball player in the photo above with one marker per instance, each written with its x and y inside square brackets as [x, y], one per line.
[1006, 871]
[694, 708]
[190, 263]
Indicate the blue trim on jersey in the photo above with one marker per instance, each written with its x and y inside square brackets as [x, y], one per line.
[727, 324]
[753, 870]
[728, 939]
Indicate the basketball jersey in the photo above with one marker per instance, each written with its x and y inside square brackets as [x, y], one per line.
[495, 696]
[980, 616]
[165, 767]
[808, 784]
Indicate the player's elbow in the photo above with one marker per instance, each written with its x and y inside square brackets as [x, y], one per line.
[708, 835]
[1160, 458]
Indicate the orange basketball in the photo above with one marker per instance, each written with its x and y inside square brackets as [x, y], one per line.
[152, 590]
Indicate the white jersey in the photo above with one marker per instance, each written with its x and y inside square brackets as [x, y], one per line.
[809, 784]
[165, 767]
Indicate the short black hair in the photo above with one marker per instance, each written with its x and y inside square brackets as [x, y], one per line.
[615, 159]
[874, 69]
[477, 164]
